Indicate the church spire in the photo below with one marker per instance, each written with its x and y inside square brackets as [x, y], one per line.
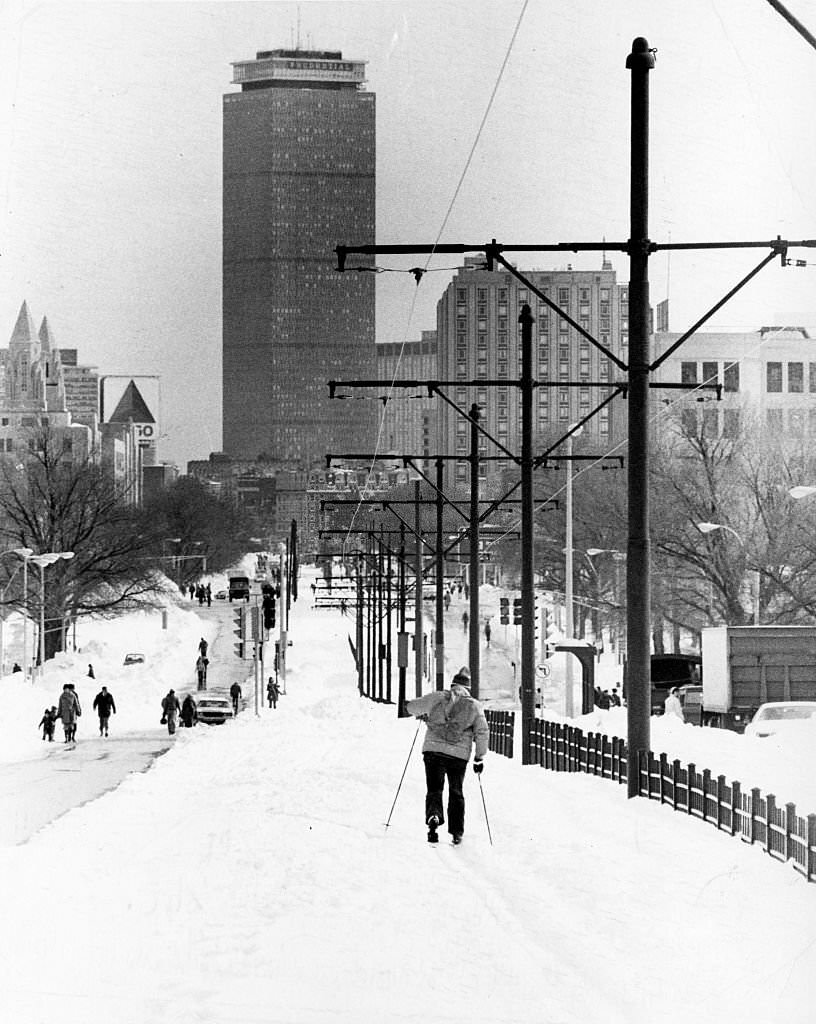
[23, 335]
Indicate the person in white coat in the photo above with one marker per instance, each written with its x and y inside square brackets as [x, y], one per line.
[672, 705]
[455, 723]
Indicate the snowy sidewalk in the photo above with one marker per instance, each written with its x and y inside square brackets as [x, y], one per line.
[248, 877]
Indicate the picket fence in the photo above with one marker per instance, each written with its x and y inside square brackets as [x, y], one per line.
[755, 818]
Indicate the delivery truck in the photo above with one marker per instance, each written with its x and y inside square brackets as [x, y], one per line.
[745, 666]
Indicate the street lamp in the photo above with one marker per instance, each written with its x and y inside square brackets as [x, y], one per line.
[25, 554]
[711, 527]
[48, 558]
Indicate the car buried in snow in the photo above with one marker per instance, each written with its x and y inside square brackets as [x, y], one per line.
[214, 707]
[783, 719]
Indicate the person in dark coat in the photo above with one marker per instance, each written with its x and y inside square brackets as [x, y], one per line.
[455, 722]
[201, 670]
[16, 668]
[189, 712]
[235, 693]
[170, 709]
[68, 710]
[91, 671]
[47, 723]
[272, 692]
[104, 706]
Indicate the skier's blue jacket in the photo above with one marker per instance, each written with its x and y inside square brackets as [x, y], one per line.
[455, 722]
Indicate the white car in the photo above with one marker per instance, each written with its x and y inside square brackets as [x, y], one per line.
[783, 718]
[213, 707]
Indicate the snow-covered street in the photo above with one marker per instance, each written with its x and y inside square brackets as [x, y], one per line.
[248, 876]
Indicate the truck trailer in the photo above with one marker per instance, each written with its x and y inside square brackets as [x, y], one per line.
[745, 666]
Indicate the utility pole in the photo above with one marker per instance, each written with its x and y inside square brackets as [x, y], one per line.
[527, 567]
[473, 564]
[638, 565]
[440, 581]
[419, 635]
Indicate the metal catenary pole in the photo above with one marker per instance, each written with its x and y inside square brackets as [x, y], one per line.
[418, 625]
[473, 563]
[440, 582]
[527, 548]
[638, 597]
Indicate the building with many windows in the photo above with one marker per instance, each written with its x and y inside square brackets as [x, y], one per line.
[479, 339]
[298, 179]
[769, 374]
[409, 416]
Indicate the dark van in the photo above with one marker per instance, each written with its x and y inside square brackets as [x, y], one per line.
[668, 670]
[239, 588]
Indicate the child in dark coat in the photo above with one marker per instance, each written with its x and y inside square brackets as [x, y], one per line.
[47, 723]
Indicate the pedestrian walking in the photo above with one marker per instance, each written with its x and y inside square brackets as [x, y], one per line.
[272, 693]
[235, 693]
[465, 621]
[68, 711]
[202, 647]
[672, 706]
[189, 712]
[191, 590]
[201, 671]
[208, 592]
[47, 723]
[487, 631]
[455, 722]
[104, 706]
[170, 709]
[91, 671]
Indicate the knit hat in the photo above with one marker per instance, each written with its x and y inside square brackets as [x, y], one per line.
[462, 677]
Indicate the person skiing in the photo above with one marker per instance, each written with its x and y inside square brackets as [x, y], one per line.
[235, 693]
[455, 722]
[104, 705]
[68, 710]
[189, 712]
[47, 722]
[170, 709]
[272, 692]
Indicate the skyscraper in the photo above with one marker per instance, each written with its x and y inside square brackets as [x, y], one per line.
[299, 179]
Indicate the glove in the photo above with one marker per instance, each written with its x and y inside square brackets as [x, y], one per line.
[478, 766]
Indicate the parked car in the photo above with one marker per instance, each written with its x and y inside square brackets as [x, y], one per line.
[783, 718]
[220, 595]
[134, 658]
[214, 708]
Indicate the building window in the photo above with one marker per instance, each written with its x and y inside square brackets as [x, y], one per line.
[796, 378]
[688, 422]
[773, 383]
[731, 423]
[775, 418]
[688, 373]
[711, 373]
[731, 377]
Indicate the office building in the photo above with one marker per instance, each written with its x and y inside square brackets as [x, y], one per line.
[408, 416]
[299, 178]
[479, 337]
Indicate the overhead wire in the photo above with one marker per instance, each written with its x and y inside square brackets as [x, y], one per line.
[424, 269]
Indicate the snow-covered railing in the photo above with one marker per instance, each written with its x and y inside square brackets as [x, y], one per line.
[777, 828]
[501, 725]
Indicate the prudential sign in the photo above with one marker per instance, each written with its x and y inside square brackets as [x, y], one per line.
[126, 399]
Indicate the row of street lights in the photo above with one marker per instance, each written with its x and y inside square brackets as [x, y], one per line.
[42, 560]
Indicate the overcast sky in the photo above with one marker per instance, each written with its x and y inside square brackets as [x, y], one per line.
[110, 159]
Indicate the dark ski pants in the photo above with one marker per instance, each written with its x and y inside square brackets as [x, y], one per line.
[437, 768]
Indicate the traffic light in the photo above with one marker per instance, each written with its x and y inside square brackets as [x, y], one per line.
[550, 629]
[255, 623]
[504, 610]
[516, 611]
[269, 611]
[239, 621]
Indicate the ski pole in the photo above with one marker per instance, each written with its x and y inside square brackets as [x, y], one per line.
[484, 805]
[404, 770]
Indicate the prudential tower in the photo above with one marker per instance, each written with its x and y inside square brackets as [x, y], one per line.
[299, 179]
